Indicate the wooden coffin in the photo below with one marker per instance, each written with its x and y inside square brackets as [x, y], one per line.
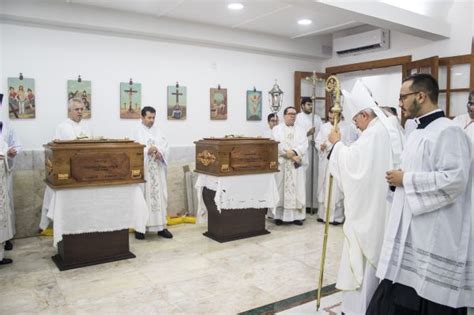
[236, 156]
[82, 163]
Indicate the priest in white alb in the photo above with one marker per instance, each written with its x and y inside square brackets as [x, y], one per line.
[156, 154]
[348, 136]
[427, 259]
[311, 125]
[73, 128]
[292, 150]
[6, 214]
[466, 121]
[359, 171]
[14, 147]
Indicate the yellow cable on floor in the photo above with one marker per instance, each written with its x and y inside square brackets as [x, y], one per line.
[169, 221]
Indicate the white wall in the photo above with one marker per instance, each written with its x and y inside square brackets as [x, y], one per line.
[461, 19]
[52, 57]
[382, 83]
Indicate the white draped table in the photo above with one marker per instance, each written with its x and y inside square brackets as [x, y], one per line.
[91, 224]
[236, 197]
[97, 209]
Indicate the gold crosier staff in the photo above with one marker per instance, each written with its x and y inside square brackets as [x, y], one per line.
[332, 87]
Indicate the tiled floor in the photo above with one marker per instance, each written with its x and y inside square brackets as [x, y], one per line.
[189, 274]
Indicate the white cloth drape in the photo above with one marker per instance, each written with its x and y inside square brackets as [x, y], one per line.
[238, 192]
[97, 209]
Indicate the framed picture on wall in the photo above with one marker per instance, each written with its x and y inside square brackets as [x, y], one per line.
[218, 104]
[130, 100]
[21, 98]
[80, 89]
[177, 100]
[254, 105]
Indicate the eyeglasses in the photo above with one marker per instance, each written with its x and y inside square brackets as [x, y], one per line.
[404, 96]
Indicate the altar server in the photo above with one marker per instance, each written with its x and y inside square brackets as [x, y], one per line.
[303, 120]
[427, 259]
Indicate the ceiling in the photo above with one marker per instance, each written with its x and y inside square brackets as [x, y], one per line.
[265, 16]
[263, 26]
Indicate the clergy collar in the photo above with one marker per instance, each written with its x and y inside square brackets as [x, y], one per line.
[426, 119]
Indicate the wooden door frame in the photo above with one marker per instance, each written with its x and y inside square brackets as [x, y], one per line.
[299, 76]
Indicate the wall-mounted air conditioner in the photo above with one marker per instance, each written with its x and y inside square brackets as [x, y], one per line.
[377, 39]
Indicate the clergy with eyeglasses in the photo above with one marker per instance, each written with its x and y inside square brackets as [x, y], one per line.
[427, 260]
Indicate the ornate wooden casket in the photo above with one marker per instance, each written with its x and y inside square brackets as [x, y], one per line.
[236, 156]
[80, 163]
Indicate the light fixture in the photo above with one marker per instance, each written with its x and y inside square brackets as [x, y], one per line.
[275, 98]
[235, 6]
[305, 22]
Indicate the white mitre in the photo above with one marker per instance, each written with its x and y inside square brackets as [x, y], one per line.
[356, 100]
[359, 99]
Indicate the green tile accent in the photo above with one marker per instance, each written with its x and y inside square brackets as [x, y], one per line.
[291, 302]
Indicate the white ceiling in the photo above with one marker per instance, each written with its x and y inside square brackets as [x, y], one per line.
[263, 26]
[265, 16]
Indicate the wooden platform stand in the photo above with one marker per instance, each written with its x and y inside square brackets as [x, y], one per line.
[87, 249]
[232, 224]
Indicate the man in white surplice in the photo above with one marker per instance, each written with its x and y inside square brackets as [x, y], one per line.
[156, 154]
[303, 120]
[466, 121]
[427, 259]
[14, 147]
[292, 150]
[272, 120]
[349, 135]
[7, 224]
[72, 128]
[359, 171]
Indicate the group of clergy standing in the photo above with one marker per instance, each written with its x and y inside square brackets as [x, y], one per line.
[406, 197]
[405, 200]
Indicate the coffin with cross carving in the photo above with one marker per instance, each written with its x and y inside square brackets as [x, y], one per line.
[236, 156]
[82, 163]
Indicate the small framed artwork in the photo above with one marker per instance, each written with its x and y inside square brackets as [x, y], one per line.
[254, 105]
[218, 104]
[21, 98]
[130, 100]
[177, 100]
[81, 89]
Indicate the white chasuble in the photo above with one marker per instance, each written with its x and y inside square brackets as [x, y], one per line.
[156, 190]
[359, 170]
[303, 121]
[6, 218]
[71, 130]
[429, 242]
[290, 180]
[348, 136]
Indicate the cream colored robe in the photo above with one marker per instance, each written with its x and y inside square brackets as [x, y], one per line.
[156, 189]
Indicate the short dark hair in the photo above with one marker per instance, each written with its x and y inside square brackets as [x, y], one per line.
[424, 82]
[306, 99]
[286, 109]
[270, 116]
[148, 109]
